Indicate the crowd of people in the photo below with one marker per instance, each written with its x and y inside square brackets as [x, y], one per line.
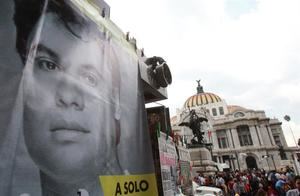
[256, 182]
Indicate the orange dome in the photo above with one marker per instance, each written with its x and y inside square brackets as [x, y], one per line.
[201, 99]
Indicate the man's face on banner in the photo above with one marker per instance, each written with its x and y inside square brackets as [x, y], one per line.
[68, 118]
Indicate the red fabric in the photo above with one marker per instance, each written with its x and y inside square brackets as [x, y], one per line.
[209, 133]
[247, 188]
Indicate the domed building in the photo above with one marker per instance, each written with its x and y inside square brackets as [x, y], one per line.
[212, 103]
[240, 137]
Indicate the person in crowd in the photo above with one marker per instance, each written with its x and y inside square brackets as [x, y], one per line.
[201, 179]
[230, 184]
[257, 183]
[260, 192]
[271, 191]
[220, 183]
[296, 191]
[279, 186]
[209, 181]
[290, 175]
[239, 186]
[254, 184]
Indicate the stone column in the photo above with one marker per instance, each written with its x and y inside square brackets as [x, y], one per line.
[271, 135]
[235, 138]
[255, 140]
[258, 130]
[242, 161]
[214, 140]
[265, 135]
[229, 139]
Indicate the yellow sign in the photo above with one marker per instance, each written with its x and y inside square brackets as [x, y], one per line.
[129, 185]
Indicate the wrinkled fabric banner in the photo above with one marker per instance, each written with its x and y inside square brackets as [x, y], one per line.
[71, 102]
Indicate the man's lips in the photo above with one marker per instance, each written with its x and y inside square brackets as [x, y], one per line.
[67, 135]
[66, 131]
[69, 129]
[67, 125]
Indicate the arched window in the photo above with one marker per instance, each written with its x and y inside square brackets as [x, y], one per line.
[244, 135]
[214, 112]
[221, 110]
[251, 162]
[222, 138]
[239, 114]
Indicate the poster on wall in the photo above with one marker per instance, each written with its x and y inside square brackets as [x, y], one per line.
[164, 150]
[72, 116]
[169, 164]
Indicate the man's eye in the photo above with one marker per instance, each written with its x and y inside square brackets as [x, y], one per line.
[47, 65]
[90, 78]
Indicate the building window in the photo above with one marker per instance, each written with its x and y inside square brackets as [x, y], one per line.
[215, 158]
[298, 157]
[221, 110]
[283, 156]
[282, 153]
[222, 139]
[277, 140]
[244, 135]
[222, 142]
[208, 111]
[226, 159]
[239, 115]
[214, 112]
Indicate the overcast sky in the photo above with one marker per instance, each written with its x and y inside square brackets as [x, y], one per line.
[245, 51]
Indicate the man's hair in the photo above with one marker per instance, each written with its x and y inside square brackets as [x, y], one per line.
[297, 178]
[28, 12]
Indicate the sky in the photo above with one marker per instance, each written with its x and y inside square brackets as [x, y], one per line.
[245, 51]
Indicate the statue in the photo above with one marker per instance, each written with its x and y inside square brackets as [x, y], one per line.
[193, 121]
[199, 87]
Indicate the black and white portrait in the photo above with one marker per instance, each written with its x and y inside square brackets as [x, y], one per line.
[78, 111]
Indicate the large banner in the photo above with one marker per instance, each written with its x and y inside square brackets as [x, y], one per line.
[72, 116]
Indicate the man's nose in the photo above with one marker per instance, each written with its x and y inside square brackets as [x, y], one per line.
[69, 94]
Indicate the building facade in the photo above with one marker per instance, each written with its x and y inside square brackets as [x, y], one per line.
[243, 138]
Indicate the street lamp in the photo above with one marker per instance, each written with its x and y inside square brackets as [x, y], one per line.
[288, 118]
[231, 159]
[266, 158]
[237, 160]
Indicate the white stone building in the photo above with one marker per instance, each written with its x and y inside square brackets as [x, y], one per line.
[242, 138]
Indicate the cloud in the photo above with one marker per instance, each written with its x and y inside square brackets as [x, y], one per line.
[251, 60]
[236, 8]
